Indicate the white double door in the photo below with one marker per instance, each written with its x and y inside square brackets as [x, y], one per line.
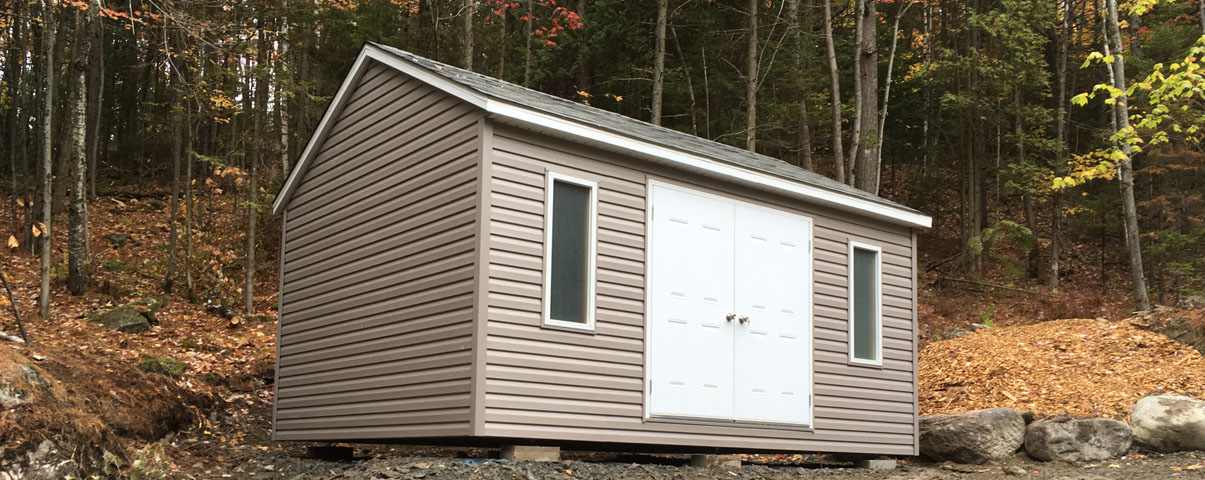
[729, 310]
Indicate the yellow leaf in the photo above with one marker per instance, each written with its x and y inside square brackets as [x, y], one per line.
[12, 242]
[38, 229]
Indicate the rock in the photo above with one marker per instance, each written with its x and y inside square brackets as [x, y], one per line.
[972, 437]
[124, 319]
[212, 378]
[261, 318]
[962, 468]
[1028, 416]
[1169, 423]
[957, 333]
[117, 240]
[148, 306]
[1014, 470]
[1174, 324]
[1072, 439]
[116, 265]
[10, 395]
[163, 366]
[1194, 301]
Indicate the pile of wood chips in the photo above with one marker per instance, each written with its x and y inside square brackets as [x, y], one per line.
[1077, 367]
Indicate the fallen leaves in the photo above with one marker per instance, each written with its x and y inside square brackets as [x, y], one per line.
[1078, 366]
[12, 242]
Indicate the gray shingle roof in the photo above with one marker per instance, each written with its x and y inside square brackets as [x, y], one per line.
[630, 127]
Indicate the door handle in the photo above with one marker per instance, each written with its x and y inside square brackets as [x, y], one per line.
[744, 319]
[730, 317]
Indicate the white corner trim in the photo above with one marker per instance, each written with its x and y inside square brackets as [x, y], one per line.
[529, 116]
[591, 251]
[878, 300]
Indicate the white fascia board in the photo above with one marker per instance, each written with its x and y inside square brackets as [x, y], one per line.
[531, 117]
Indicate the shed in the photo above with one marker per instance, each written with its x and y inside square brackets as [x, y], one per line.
[467, 261]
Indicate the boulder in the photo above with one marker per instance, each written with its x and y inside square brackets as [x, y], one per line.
[1169, 423]
[163, 366]
[1071, 439]
[148, 306]
[124, 319]
[117, 240]
[973, 437]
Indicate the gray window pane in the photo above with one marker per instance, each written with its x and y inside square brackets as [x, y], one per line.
[866, 341]
[570, 250]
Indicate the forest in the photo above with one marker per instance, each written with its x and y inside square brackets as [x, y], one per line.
[1038, 109]
[1057, 144]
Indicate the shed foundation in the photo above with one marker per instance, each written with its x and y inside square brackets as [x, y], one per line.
[526, 453]
[715, 461]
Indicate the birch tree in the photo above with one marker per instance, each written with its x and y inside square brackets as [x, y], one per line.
[77, 219]
[47, 165]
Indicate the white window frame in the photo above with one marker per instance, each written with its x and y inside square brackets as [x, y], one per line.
[878, 300]
[553, 177]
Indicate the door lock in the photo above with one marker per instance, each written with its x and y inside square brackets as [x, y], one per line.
[744, 319]
[730, 316]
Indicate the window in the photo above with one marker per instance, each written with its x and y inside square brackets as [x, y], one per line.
[865, 304]
[569, 222]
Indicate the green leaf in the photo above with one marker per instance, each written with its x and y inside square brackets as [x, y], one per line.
[1080, 100]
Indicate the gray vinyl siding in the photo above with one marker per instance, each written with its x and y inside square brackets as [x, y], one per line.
[379, 270]
[543, 383]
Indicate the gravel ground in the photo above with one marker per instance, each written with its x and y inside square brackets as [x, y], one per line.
[398, 464]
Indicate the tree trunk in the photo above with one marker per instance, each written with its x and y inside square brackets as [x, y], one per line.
[502, 41]
[169, 278]
[1125, 174]
[659, 60]
[797, 46]
[927, 128]
[1060, 128]
[282, 105]
[1033, 267]
[470, 8]
[48, 27]
[77, 222]
[96, 90]
[751, 81]
[16, 112]
[690, 88]
[527, 38]
[895, 36]
[866, 156]
[835, 91]
[1201, 12]
[188, 214]
[261, 103]
[585, 66]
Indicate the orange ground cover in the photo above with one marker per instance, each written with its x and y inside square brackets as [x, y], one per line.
[1075, 366]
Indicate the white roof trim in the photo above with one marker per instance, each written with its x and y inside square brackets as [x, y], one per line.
[528, 116]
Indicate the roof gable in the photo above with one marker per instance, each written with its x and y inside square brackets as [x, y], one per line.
[516, 105]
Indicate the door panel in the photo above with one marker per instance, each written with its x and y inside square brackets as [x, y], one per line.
[690, 294]
[773, 292]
